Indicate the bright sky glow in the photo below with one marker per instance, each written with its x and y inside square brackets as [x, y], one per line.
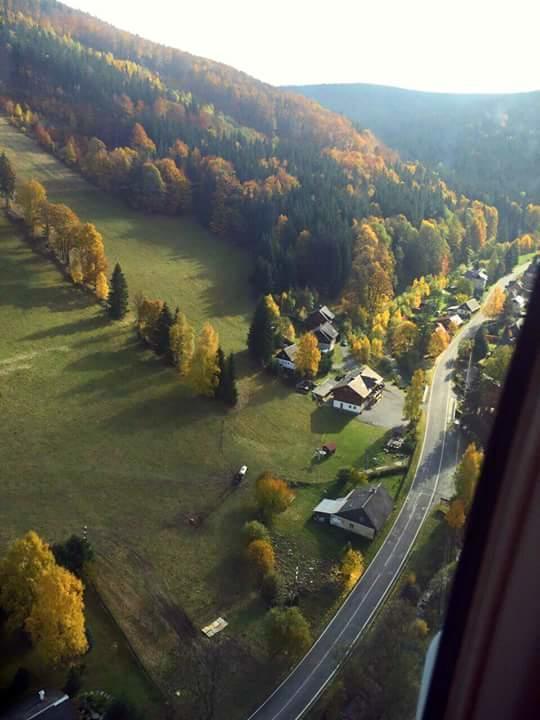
[438, 45]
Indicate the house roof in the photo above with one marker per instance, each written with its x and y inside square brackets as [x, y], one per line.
[319, 316]
[324, 389]
[360, 382]
[288, 353]
[476, 274]
[369, 506]
[471, 305]
[327, 330]
[330, 507]
[55, 706]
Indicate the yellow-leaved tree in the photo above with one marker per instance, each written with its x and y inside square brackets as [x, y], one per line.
[31, 196]
[467, 475]
[352, 567]
[102, 286]
[273, 494]
[403, 337]
[63, 223]
[361, 349]
[308, 355]
[21, 570]
[75, 266]
[455, 517]
[204, 373]
[260, 555]
[273, 307]
[495, 302]
[56, 621]
[413, 399]
[438, 341]
[182, 344]
[92, 252]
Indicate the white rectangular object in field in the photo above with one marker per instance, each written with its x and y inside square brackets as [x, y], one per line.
[215, 627]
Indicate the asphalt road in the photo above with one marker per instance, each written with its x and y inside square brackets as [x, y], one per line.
[438, 459]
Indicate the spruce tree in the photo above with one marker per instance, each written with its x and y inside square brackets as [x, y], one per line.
[480, 345]
[221, 376]
[162, 332]
[261, 334]
[231, 391]
[118, 296]
[7, 178]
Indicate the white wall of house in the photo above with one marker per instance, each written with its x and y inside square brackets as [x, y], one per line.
[349, 407]
[327, 347]
[353, 527]
[286, 364]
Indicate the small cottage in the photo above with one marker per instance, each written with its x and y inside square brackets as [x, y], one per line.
[363, 511]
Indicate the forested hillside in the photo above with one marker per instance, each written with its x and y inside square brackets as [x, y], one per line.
[486, 146]
[318, 203]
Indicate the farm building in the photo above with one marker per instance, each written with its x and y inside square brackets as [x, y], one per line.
[478, 279]
[363, 511]
[326, 335]
[318, 317]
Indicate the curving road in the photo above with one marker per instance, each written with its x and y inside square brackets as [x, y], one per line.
[438, 459]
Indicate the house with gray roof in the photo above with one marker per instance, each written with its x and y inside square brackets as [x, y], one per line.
[363, 511]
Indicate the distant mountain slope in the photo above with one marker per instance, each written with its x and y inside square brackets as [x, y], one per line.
[485, 145]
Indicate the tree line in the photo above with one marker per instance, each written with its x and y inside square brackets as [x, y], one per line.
[167, 136]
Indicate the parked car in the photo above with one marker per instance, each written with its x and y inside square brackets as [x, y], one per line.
[240, 475]
[304, 386]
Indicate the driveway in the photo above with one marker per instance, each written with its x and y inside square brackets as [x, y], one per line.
[388, 411]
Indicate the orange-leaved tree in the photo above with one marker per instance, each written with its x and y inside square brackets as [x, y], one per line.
[273, 494]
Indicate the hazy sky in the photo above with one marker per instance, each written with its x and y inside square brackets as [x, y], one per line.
[444, 45]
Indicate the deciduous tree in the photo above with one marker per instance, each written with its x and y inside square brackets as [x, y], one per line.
[91, 251]
[260, 555]
[455, 517]
[496, 366]
[204, 369]
[352, 567]
[467, 474]
[415, 392]
[102, 286]
[495, 302]
[438, 341]
[141, 142]
[31, 195]
[182, 343]
[21, 570]
[56, 621]
[288, 632]
[403, 338]
[273, 495]
[308, 355]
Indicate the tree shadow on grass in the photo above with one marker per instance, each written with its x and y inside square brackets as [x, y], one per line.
[96, 322]
[326, 420]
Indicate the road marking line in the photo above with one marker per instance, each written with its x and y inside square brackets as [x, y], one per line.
[355, 592]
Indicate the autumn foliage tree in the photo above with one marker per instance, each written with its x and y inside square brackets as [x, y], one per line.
[438, 341]
[351, 567]
[467, 474]
[182, 344]
[56, 621]
[495, 302]
[308, 355]
[31, 196]
[260, 556]
[204, 375]
[413, 399]
[273, 495]
[455, 517]
[288, 632]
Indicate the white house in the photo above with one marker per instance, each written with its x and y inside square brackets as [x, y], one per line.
[478, 279]
[285, 357]
[363, 511]
[356, 387]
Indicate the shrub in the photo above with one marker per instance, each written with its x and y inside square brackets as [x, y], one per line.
[254, 530]
[272, 589]
[261, 557]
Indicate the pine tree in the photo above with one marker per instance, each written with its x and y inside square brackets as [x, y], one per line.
[118, 296]
[261, 334]
[221, 376]
[162, 330]
[231, 395]
[7, 179]
[480, 345]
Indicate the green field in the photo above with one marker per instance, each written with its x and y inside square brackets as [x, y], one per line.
[174, 259]
[96, 431]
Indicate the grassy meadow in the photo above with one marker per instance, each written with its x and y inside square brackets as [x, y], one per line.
[97, 431]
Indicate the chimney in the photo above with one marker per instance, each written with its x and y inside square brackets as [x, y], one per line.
[41, 694]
